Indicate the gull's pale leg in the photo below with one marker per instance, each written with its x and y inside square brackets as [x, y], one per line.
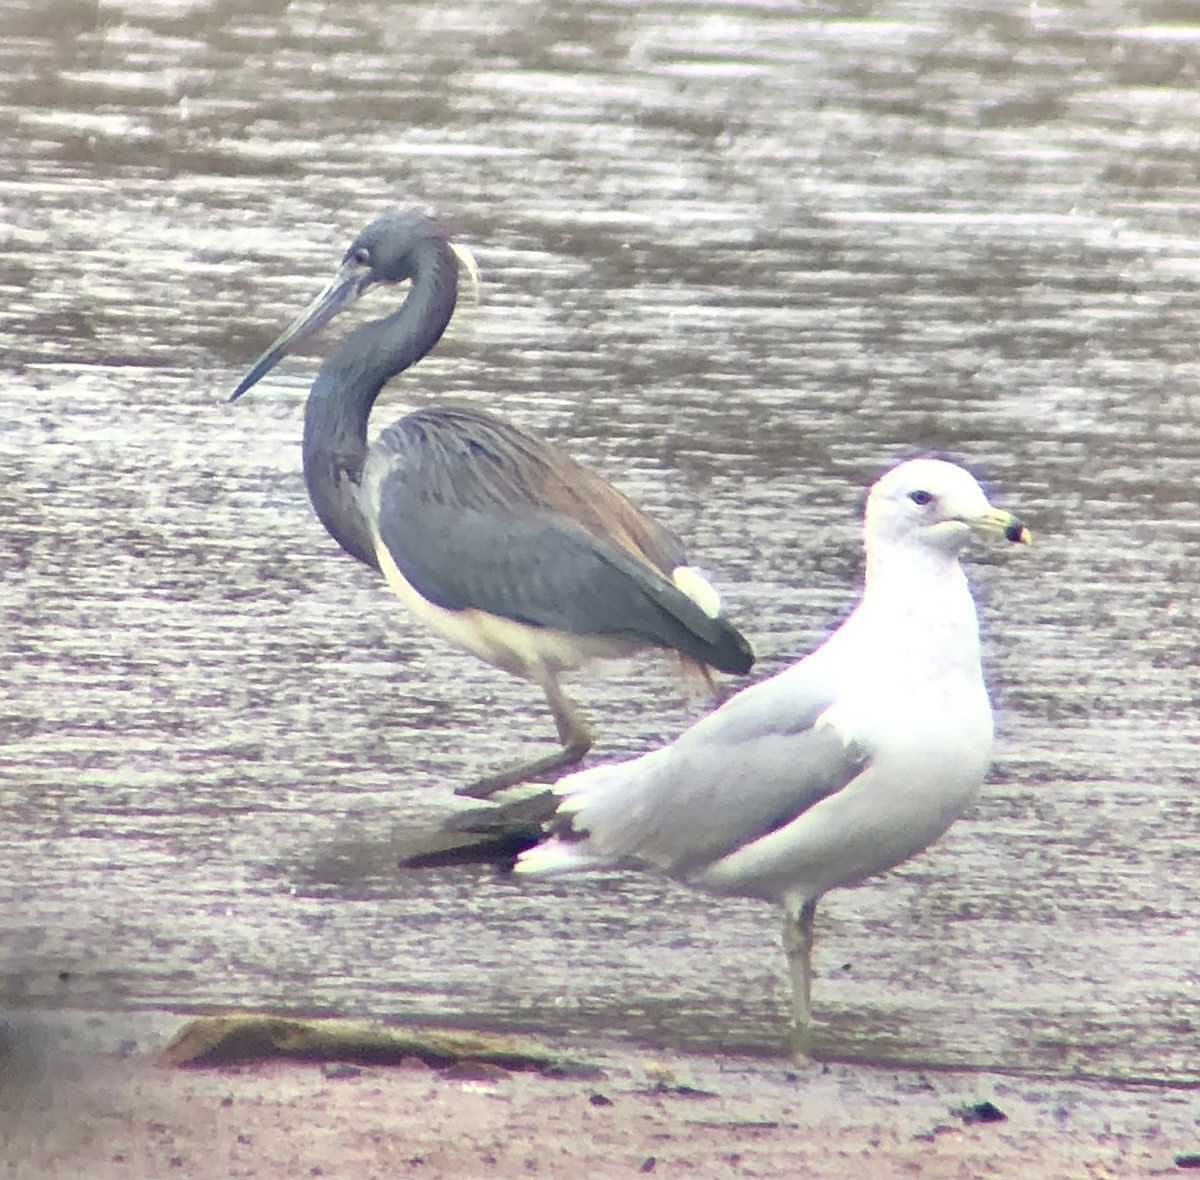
[797, 945]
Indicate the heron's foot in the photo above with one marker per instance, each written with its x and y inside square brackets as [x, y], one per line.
[487, 786]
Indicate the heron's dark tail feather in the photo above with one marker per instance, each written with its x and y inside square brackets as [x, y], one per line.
[730, 650]
[685, 626]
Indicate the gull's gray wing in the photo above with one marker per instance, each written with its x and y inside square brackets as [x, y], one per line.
[748, 769]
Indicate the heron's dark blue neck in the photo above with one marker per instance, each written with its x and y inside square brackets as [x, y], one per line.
[339, 405]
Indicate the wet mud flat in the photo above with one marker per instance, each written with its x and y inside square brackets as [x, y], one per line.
[598, 1108]
[978, 238]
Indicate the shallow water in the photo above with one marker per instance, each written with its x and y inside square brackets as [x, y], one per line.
[740, 257]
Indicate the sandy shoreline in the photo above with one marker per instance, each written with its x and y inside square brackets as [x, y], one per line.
[102, 1114]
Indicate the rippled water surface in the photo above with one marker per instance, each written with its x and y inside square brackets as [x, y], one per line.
[739, 257]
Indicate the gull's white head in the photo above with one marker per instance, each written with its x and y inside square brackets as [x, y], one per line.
[936, 504]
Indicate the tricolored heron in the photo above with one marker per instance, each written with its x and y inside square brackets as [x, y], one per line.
[842, 766]
[496, 539]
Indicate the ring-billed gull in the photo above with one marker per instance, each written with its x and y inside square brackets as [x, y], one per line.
[842, 766]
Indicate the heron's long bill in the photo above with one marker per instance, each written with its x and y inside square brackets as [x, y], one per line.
[346, 286]
[996, 520]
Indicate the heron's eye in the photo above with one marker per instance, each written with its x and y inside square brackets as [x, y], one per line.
[920, 497]
[361, 256]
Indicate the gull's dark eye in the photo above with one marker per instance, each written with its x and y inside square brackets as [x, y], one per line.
[920, 497]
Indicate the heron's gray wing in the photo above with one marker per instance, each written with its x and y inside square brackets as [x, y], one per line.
[465, 456]
[748, 769]
[542, 572]
[535, 567]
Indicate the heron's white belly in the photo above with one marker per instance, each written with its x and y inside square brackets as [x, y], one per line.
[518, 648]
